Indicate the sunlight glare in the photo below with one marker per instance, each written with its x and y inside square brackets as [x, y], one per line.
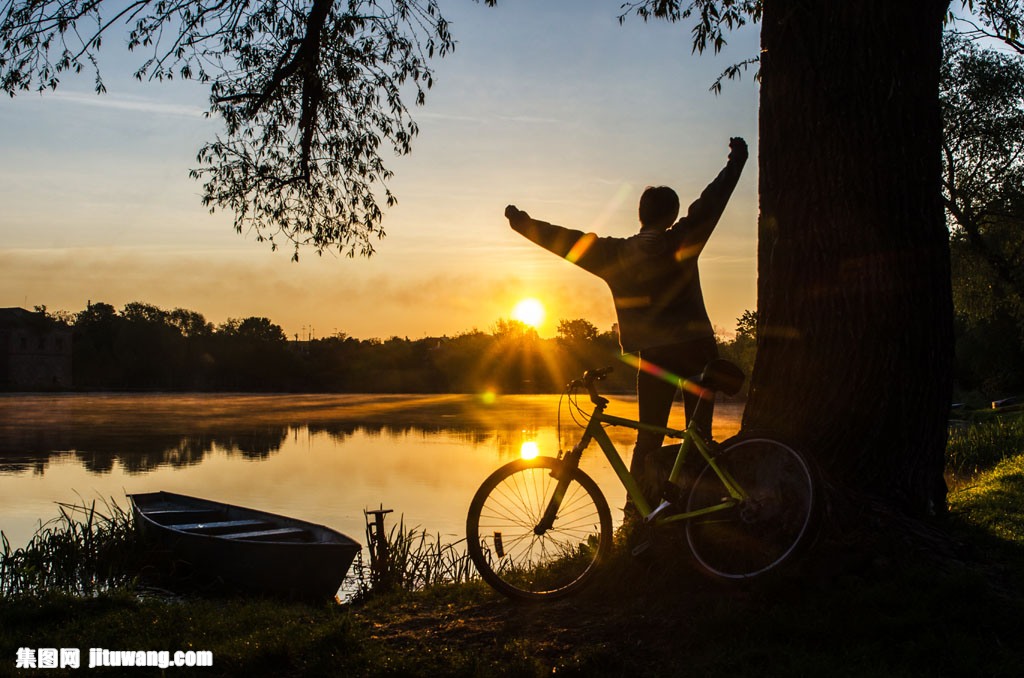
[529, 450]
[529, 312]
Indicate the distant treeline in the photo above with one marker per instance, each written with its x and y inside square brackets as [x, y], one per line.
[146, 347]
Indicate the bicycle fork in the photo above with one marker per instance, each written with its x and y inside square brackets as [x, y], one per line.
[563, 474]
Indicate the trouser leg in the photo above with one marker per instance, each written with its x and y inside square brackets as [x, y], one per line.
[655, 395]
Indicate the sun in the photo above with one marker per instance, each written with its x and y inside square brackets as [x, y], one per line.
[529, 312]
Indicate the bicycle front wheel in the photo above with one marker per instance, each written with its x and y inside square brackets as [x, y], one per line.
[522, 560]
[770, 525]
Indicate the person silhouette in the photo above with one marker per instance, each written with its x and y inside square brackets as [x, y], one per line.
[655, 286]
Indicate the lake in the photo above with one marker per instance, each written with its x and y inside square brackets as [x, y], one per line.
[323, 458]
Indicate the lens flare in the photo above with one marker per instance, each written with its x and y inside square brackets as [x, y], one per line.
[580, 247]
[663, 374]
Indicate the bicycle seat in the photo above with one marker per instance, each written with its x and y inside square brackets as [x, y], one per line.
[721, 375]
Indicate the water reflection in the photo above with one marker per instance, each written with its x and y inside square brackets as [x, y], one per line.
[145, 432]
[321, 458]
[137, 452]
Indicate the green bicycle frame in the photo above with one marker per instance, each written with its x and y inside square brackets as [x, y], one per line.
[691, 438]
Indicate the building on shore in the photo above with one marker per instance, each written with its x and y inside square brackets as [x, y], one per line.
[35, 351]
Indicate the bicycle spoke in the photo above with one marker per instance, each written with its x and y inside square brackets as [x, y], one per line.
[502, 524]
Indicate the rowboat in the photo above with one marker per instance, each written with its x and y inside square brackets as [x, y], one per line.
[245, 549]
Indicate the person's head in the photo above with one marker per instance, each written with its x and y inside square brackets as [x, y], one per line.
[659, 207]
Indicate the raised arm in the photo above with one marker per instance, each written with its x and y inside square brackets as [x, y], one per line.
[703, 215]
[584, 249]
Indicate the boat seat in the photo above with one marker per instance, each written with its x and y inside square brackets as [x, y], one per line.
[281, 533]
[221, 526]
[175, 516]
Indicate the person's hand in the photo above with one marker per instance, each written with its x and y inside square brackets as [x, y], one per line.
[738, 146]
[515, 215]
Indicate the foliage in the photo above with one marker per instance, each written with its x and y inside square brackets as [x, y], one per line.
[577, 330]
[1001, 20]
[742, 349]
[180, 350]
[145, 347]
[983, 187]
[746, 325]
[309, 91]
[254, 329]
[712, 20]
[983, 190]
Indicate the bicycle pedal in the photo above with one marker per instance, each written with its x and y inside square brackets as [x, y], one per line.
[662, 507]
[641, 548]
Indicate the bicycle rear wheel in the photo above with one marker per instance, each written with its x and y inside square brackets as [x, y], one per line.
[518, 559]
[767, 528]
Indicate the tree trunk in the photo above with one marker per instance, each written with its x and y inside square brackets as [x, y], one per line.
[855, 338]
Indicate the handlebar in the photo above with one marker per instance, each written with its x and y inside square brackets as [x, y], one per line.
[589, 380]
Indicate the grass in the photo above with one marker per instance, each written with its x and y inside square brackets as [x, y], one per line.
[892, 619]
[983, 442]
[991, 502]
[415, 560]
[912, 615]
[85, 550]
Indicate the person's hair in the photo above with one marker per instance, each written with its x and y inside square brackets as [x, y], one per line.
[658, 204]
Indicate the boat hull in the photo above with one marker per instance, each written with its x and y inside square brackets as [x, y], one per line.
[245, 549]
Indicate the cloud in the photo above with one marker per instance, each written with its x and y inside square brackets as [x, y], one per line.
[128, 103]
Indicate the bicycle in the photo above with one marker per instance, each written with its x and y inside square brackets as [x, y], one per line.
[540, 528]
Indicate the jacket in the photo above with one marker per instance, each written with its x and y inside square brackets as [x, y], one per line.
[653, 275]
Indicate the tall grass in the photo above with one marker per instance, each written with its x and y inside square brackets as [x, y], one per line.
[89, 548]
[84, 550]
[983, 443]
[411, 559]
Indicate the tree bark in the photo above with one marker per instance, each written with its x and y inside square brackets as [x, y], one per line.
[855, 335]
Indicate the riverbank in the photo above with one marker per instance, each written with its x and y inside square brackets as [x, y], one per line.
[909, 613]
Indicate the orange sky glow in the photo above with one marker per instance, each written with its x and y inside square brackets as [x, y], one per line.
[556, 110]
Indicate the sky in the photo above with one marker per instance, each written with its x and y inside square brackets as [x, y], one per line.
[552, 106]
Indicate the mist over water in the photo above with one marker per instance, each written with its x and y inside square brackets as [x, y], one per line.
[323, 458]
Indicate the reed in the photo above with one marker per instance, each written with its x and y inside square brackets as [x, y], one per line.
[86, 549]
[412, 559]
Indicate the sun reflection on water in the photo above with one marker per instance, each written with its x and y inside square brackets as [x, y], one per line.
[529, 449]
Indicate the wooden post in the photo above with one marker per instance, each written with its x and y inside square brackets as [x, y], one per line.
[378, 544]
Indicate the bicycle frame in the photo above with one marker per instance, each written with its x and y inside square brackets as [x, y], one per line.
[735, 531]
[691, 439]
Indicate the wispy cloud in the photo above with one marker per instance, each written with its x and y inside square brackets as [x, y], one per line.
[529, 119]
[128, 103]
[486, 118]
